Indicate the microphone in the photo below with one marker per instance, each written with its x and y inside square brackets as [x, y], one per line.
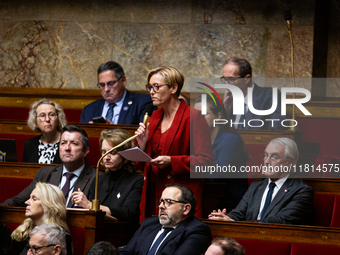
[288, 17]
[95, 202]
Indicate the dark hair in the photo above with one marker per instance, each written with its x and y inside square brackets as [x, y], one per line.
[102, 248]
[84, 137]
[218, 108]
[113, 66]
[244, 66]
[187, 196]
[229, 246]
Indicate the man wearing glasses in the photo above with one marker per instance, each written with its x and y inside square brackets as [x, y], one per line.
[47, 240]
[118, 105]
[238, 72]
[175, 231]
[278, 198]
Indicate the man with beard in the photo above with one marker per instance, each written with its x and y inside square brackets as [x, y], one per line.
[175, 231]
[278, 198]
[73, 175]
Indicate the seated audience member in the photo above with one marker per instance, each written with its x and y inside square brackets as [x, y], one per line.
[48, 118]
[175, 231]
[225, 246]
[228, 150]
[118, 105]
[46, 205]
[5, 239]
[103, 248]
[175, 138]
[278, 198]
[72, 175]
[238, 72]
[120, 189]
[47, 239]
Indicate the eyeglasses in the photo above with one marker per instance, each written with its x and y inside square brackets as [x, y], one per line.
[272, 158]
[51, 115]
[109, 84]
[167, 202]
[35, 250]
[230, 80]
[155, 86]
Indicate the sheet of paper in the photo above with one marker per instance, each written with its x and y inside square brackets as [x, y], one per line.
[135, 154]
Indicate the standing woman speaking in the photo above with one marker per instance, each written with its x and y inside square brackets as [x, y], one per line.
[168, 139]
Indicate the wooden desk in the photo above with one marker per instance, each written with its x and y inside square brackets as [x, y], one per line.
[19, 169]
[275, 232]
[97, 226]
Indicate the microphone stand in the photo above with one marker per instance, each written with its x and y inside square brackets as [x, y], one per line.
[95, 202]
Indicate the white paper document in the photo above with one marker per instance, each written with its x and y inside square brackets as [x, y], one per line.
[135, 154]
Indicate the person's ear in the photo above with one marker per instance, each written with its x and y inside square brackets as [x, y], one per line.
[57, 249]
[124, 80]
[87, 150]
[186, 209]
[219, 115]
[174, 88]
[247, 79]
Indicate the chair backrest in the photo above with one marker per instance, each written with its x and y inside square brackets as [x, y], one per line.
[10, 187]
[259, 247]
[335, 223]
[323, 208]
[314, 249]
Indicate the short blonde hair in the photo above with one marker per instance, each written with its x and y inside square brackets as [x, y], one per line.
[53, 203]
[171, 76]
[115, 137]
[32, 115]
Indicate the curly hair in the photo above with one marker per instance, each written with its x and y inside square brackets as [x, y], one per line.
[115, 137]
[53, 204]
[32, 115]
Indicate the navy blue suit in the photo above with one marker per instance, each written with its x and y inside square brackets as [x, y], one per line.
[132, 111]
[293, 204]
[263, 100]
[190, 237]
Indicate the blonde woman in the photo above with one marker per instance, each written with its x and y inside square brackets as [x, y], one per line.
[48, 118]
[46, 205]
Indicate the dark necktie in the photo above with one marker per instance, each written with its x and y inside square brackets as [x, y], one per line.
[109, 114]
[154, 247]
[268, 198]
[66, 187]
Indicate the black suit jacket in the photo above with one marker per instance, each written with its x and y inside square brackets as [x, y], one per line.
[263, 100]
[125, 199]
[132, 111]
[52, 175]
[293, 204]
[190, 237]
[31, 151]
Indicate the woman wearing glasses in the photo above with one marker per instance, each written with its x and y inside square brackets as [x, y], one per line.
[228, 150]
[120, 188]
[46, 205]
[48, 118]
[172, 131]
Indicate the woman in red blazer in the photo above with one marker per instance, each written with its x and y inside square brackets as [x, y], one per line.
[176, 137]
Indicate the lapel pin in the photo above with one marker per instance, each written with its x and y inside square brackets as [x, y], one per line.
[118, 195]
[286, 190]
[125, 108]
[130, 102]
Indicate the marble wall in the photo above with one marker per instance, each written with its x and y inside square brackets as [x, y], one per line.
[60, 44]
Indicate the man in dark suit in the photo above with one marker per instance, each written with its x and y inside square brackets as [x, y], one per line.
[277, 199]
[175, 231]
[73, 148]
[238, 72]
[118, 105]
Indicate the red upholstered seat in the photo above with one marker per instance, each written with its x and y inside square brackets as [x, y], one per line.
[12, 226]
[78, 239]
[259, 247]
[314, 249]
[10, 187]
[323, 207]
[330, 161]
[94, 154]
[335, 223]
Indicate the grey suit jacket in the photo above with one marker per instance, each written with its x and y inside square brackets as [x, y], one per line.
[52, 175]
[293, 204]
